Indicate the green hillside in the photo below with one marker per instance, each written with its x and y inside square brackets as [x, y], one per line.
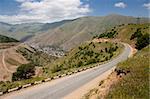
[135, 85]
[84, 55]
[129, 33]
[82, 29]
[132, 74]
[36, 57]
[5, 39]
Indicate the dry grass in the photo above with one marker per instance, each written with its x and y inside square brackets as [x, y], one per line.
[134, 85]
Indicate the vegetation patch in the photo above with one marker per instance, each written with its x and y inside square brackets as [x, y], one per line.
[111, 34]
[86, 54]
[4, 86]
[135, 34]
[5, 39]
[35, 57]
[135, 85]
[90, 93]
[24, 71]
[142, 40]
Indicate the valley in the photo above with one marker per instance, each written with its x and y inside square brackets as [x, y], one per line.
[75, 51]
[66, 85]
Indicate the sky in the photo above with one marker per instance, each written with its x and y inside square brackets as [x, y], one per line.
[25, 11]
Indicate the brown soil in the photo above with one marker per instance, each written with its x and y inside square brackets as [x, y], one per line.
[9, 61]
[103, 89]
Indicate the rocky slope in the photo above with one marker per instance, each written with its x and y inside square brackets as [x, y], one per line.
[77, 31]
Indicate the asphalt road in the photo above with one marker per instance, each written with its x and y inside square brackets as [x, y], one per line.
[66, 86]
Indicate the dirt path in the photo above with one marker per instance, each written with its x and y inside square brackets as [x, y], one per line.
[4, 64]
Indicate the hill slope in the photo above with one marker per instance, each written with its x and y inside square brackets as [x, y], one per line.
[25, 31]
[73, 33]
[11, 58]
[86, 54]
[5, 39]
[126, 33]
[134, 85]
[130, 80]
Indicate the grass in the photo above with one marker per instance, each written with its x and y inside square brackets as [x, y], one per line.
[124, 32]
[36, 57]
[4, 86]
[90, 93]
[85, 55]
[135, 85]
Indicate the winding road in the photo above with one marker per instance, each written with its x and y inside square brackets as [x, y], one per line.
[61, 88]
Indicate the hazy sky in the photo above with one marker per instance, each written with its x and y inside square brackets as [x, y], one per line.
[18, 11]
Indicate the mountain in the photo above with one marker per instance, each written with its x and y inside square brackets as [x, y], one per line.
[73, 33]
[65, 34]
[25, 31]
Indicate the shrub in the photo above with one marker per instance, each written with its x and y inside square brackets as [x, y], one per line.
[142, 41]
[56, 68]
[137, 34]
[5, 39]
[108, 34]
[24, 71]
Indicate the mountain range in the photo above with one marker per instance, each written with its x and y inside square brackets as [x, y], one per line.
[68, 33]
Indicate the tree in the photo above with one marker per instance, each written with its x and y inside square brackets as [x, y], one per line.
[24, 71]
[142, 41]
[106, 50]
[80, 63]
[137, 34]
[80, 48]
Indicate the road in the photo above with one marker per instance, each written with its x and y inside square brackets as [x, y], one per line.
[64, 87]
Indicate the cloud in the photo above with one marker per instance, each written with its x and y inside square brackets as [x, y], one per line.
[120, 5]
[47, 11]
[147, 5]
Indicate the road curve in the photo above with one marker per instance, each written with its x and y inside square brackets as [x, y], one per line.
[66, 86]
